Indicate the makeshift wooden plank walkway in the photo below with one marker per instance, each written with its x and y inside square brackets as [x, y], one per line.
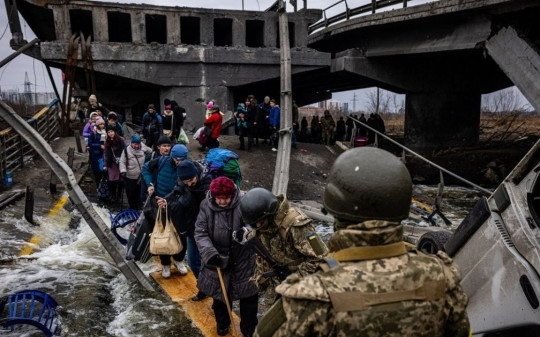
[181, 289]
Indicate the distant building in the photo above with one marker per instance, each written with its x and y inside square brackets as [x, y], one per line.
[29, 98]
[346, 108]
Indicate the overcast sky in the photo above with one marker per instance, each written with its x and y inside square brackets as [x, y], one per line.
[12, 75]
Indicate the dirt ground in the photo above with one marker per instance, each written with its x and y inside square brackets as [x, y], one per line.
[486, 164]
[308, 169]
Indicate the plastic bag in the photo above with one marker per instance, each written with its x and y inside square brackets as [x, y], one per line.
[198, 133]
[183, 138]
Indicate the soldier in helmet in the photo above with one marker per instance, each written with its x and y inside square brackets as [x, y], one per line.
[371, 284]
[287, 234]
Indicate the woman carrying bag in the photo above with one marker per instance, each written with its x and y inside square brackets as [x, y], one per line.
[219, 216]
[131, 162]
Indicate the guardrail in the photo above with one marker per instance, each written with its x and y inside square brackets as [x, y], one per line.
[15, 151]
[406, 149]
[371, 6]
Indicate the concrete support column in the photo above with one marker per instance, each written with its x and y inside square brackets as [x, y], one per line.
[100, 23]
[300, 32]
[207, 30]
[437, 120]
[196, 111]
[173, 28]
[270, 31]
[239, 33]
[138, 22]
[62, 24]
[519, 60]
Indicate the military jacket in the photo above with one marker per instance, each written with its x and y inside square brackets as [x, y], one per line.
[287, 242]
[407, 294]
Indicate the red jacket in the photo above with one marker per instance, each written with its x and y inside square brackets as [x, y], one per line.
[214, 122]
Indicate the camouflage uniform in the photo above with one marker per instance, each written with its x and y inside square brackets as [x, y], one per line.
[405, 293]
[328, 125]
[287, 243]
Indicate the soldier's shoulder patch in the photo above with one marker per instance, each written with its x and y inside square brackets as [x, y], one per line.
[307, 288]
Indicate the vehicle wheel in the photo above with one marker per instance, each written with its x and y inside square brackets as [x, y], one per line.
[432, 242]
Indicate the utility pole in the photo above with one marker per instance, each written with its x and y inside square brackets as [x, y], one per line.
[354, 100]
[281, 174]
[378, 100]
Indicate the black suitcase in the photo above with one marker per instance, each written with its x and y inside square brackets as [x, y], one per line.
[138, 245]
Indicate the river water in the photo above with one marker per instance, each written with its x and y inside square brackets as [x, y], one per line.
[69, 263]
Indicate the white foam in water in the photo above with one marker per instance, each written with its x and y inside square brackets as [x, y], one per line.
[94, 298]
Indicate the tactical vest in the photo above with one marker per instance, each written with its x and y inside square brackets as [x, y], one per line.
[363, 298]
[280, 245]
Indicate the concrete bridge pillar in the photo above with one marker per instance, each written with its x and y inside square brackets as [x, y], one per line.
[437, 120]
[193, 99]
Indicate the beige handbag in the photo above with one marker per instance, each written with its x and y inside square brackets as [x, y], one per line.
[164, 240]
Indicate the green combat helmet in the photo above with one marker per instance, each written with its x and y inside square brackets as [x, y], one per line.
[256, 204]
[368, 184]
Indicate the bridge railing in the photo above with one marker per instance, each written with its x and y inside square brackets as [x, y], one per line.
[368, 7]
[411, 152]
[14, 151]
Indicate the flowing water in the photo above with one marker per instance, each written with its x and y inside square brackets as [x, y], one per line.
[67, 261]
[70, 264]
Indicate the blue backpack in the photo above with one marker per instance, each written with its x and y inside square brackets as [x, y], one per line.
[223, 162]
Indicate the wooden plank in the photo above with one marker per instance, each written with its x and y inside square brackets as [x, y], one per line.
[181, 289]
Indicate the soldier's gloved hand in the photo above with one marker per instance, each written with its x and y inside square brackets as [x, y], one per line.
[240, 235]
[282, 271]
[215, 261]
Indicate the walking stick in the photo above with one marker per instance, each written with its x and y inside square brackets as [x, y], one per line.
[224, 290]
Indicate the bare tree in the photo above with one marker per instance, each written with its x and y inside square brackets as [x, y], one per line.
[379, 102]
[503, 103]
[503, 110]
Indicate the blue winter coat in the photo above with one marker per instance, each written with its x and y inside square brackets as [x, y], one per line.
[161, 173]
[273, 119]
[95, 151]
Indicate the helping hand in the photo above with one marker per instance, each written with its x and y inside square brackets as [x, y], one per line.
[282, 271]
[240, 235]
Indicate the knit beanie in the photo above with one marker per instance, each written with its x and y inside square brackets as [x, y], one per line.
[100, 120]
[164, 140]
[222, 188]
[186, 170]
[136, 139]
[179, 151]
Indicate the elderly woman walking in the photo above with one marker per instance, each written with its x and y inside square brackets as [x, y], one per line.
[131, 162]
[219, 216]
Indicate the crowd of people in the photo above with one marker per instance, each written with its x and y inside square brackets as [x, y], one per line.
[241, 246]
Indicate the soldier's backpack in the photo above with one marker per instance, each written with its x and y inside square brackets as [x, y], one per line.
[223, 162]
